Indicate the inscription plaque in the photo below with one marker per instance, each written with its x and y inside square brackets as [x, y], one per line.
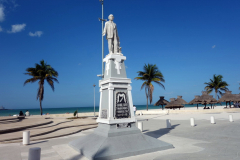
[122, 107]
[104, 114]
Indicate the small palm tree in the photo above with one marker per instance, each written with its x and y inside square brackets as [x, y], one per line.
[217, 85]
[42, 72]
[150, 74]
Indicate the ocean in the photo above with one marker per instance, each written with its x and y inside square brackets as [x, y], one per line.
[36, 111]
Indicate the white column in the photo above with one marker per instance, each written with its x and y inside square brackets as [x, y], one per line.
[34, 153]
[212, 120]
[100, 104]
[140, 126]
[110, 101]
[130, 101]
[230, 118]
[168, 123]
[26, 137]
[192, 122]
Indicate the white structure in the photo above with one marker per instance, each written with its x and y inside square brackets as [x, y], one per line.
[212, 120]
[115, 91]
[116, 130]
[26, 137]
[230, 118]
[192, 122]
[34, 153]
[168, 123]
[140, 126]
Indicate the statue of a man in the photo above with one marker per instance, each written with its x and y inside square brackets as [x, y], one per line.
[112, 35]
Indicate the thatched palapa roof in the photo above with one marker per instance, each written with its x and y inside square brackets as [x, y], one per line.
[229, 97]
[161, 101]
[206, 98]
[196, 100]
[180, 100]
[174, 104]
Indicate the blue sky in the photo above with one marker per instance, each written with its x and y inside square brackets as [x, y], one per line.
[188, 40]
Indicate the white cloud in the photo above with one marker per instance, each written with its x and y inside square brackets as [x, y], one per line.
[2, 15]
[1, 29]
[36, 34]
[17, 28]
[213, 46]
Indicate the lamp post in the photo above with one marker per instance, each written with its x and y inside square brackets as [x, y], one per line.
[94, 98]
[103, 20]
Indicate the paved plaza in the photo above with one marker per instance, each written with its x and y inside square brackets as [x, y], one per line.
[218, 141]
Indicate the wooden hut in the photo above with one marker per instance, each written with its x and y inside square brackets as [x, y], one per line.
[196, 100]
[161, 102]
[174, 104]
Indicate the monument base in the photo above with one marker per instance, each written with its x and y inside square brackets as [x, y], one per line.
[110, 141]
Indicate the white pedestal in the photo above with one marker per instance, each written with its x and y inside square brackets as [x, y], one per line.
[212, 120]
[230, 118]
[168, 123]
[192, 122]
[140, 126]
[26, 137]
[34, 153]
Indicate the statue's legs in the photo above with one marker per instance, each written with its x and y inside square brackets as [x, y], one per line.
[110, 45]
[115, 43]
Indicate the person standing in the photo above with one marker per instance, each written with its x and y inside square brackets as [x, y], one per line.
[134, 109]
[27, 113]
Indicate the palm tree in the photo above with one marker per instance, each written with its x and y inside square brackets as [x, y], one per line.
[217, 85]
[42, 72]
[150, 74]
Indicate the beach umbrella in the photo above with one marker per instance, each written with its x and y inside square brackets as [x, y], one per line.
[174, 104]
[196, 100]
[205, 99]
[161, 101]
[228, 97]
[238, 98]
[180, 100]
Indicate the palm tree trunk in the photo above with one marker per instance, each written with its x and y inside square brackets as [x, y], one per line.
[40, 106]
[216, 95]
[147, 103]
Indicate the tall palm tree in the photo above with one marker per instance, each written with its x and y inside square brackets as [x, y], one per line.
[217, 85]
[42, 72]
[150, 74]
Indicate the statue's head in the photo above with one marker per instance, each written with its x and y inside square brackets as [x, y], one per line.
[110, 17]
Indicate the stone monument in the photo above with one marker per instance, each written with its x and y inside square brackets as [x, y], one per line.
[116, 135]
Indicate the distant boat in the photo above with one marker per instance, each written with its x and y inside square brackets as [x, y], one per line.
[2, 108]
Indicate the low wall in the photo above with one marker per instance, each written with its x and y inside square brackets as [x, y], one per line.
[87, 114]
[167, 111]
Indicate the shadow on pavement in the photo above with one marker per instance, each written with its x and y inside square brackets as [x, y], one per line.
[80, 156]
[38, 142]
[160, 132]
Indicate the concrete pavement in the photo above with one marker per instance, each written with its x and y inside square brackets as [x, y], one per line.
[218, 141]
